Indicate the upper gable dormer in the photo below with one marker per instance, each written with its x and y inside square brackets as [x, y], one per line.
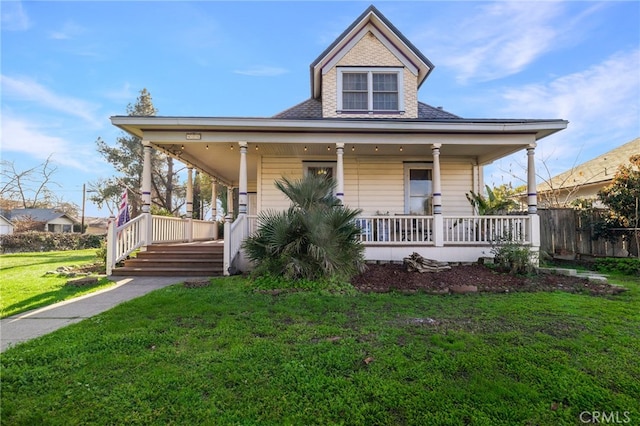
[370, 71]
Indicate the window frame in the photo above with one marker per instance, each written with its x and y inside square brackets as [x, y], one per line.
[326, 164]
[370, 71]
[407, 187]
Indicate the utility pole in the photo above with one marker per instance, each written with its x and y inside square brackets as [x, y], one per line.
[84, 193]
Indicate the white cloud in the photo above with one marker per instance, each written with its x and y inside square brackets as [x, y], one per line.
[21, 136]
[262, 71]
[124, 93]
[28, 90]
[14, 17]
[599, 101]
[501, 39]
[69, 30]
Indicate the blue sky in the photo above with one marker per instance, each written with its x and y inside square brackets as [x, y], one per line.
[68, 66]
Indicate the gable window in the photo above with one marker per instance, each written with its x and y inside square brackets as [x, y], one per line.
[370, 89]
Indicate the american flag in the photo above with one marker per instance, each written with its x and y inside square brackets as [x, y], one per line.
[123, 211]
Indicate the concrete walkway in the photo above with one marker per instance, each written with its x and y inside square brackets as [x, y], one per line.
[36, 323]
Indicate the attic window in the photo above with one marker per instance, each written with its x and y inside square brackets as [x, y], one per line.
[370, 90]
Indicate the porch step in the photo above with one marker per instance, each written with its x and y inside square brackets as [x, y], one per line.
[184, 259]
[166, 272]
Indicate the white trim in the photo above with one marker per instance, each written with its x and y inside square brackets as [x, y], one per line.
[398, 71]
[356, 39]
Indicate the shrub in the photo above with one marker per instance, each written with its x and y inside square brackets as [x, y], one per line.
[625, 265]
[316, 238]
[33, 241]
[514, 257]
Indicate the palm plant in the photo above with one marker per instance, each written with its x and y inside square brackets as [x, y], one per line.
[315, 238]
[491, 204]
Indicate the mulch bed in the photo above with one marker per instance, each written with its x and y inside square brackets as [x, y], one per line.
[382, 278]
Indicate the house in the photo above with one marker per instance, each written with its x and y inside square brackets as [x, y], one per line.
[49, 220]
[6, 226]
[407, 165]
[585, 180]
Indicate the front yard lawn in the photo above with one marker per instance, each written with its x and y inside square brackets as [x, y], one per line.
[226, 354]
[26, 285]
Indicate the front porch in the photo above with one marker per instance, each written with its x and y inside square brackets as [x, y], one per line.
[183, 247]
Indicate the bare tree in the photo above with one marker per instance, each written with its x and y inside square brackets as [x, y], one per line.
[28, 188]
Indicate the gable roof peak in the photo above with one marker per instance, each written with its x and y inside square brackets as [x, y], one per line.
[373, 18]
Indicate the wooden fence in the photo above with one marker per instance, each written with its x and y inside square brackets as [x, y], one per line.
[569, 232]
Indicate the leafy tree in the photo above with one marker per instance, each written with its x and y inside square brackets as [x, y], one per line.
[316, 238]
[622, 193]
[127, 157]
[622, 196]
[495, 202]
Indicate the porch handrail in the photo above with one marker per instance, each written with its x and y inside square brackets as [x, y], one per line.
[234, 235]
[486, 229]
[124, 240]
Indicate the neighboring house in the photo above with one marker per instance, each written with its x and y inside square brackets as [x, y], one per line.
[96, 225]
[407, 165]
[51, 219]
[585, 180]
[6, 226]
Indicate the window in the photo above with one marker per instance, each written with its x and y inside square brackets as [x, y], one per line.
[418, 189]
[319, 168]
[370, 90]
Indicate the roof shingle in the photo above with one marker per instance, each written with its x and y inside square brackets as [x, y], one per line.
[312, 109]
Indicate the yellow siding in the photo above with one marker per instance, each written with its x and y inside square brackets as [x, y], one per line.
[369, 51]
[373, 184]
[272, 169]
[377, 186]
[456, 181]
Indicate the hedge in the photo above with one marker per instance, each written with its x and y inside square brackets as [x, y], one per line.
[34, 241]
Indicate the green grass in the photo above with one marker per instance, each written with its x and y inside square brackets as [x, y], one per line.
[26, 285]
[225, 354]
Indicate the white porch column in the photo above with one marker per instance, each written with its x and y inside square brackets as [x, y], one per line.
[214, 207]
[146, 194]
[189, 224]
[242, 179]
[532, 199]
[438, 221]
[340, 171]
[230, 201]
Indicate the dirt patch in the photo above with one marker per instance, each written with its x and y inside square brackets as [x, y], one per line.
[383, 278]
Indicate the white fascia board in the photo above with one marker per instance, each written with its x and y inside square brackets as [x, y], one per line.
[138, 125]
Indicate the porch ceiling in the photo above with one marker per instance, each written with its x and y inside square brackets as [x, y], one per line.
[222, 159]
[211, 144]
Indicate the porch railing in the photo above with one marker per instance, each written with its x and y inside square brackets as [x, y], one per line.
[234, 235]
[124, 240]
[477, 230]
[486, 229]
[204, 230]
[167, 229]
[396, 229]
